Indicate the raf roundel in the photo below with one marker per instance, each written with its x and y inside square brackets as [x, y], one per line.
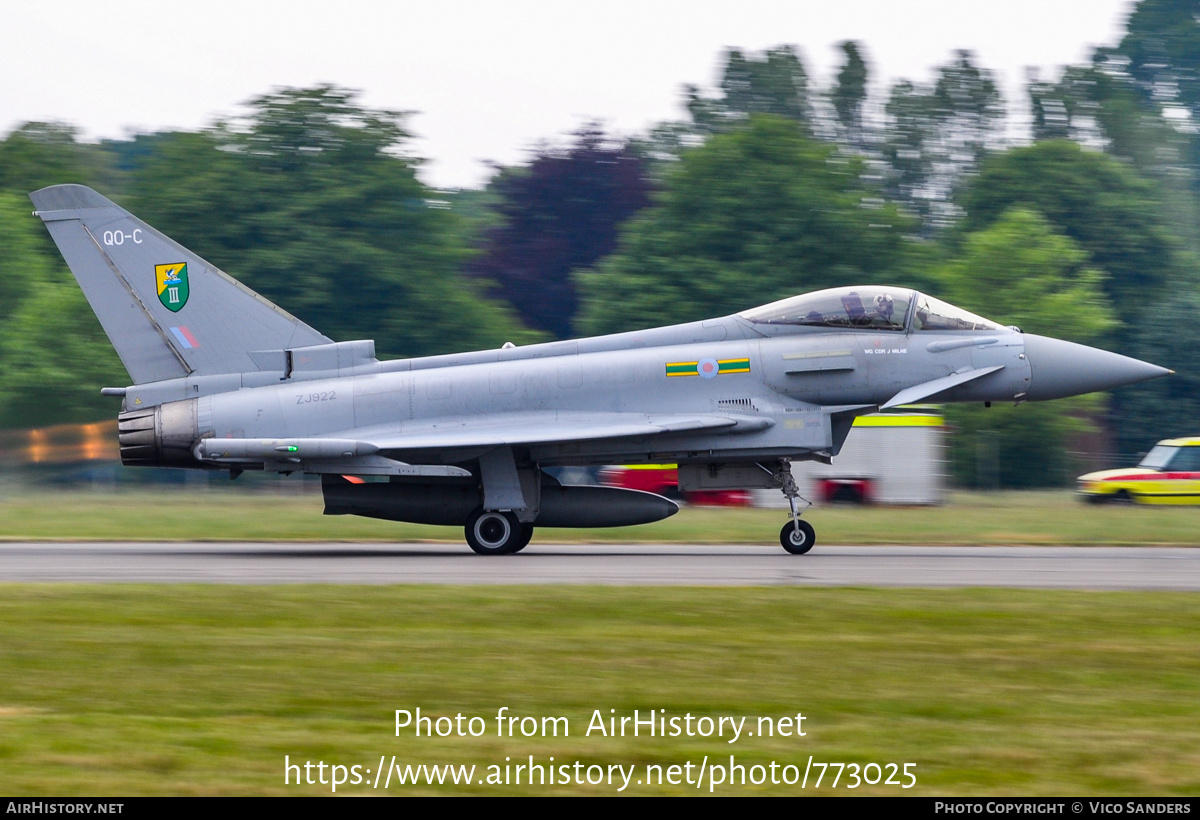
[708, 368]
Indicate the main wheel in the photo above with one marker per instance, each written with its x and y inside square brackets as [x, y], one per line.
[797, 541]
[523, 541]
[494, 532]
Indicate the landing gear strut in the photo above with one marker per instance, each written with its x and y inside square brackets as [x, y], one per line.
[797, 537]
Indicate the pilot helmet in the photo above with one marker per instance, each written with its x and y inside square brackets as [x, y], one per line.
[884, 305]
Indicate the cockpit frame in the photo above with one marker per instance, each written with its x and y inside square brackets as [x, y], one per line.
[870, 308]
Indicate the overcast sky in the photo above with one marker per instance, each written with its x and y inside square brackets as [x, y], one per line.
[488, 80]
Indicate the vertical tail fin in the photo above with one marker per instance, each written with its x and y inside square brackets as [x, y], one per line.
[167, 312]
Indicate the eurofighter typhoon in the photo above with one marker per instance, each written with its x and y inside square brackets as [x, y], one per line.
[224, 379]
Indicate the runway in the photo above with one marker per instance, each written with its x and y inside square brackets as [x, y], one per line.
[1111, 568]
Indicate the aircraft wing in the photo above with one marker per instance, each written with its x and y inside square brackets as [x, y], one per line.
[548, 428]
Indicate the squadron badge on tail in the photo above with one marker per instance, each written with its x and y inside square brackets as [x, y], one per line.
[173, 289]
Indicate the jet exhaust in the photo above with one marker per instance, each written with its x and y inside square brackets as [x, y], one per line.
[159, 436]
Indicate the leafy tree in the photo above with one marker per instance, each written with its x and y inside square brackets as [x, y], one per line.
[1154, 121]
[907, 150]
[560, 213]
[1075, 106]
[309, 200]
[1122, 221]
[1141, 102]
[967, 105]
[38, 154]
[1054, 106]
[1162, 44]
[936, 135]
[22, 267]
[774, 83]
[663, 145]
[751, 216]
[1101, 106]
[849, 94]
[1168, 407]
[1102, 205]
[54, 357]
[1020, 271]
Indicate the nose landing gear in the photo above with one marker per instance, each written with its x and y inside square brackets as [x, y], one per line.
[797, 537]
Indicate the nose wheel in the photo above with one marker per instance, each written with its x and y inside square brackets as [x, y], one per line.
[797, 537]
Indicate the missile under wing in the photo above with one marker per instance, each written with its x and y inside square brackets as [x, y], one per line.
[221, 378]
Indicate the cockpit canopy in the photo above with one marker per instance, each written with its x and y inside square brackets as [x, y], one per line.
[869, 308]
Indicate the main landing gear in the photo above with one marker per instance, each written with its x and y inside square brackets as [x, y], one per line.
[797, 537]
[497, 532]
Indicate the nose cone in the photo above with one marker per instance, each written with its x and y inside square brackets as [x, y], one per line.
[1059, 369]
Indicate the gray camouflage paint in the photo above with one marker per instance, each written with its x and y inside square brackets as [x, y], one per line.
[229, 365]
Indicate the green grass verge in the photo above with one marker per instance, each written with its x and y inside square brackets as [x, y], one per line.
[128, 690]
[173, 513]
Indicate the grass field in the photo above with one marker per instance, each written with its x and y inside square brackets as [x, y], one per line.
[166, 513]
[126, 690]
[137, 689]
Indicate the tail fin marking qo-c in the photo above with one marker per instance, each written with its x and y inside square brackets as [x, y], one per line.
[167, 312]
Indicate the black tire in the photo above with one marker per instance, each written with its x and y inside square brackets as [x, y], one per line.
[523, 541]
[797, 543]
[494, 532]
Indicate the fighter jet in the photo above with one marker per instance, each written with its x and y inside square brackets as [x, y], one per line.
[224, 379]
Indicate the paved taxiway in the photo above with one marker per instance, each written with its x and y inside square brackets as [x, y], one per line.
[268, 563]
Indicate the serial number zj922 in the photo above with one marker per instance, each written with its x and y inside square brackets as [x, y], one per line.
[309, 398]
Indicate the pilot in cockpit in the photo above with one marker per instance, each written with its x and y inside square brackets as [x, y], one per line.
[885, 306]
